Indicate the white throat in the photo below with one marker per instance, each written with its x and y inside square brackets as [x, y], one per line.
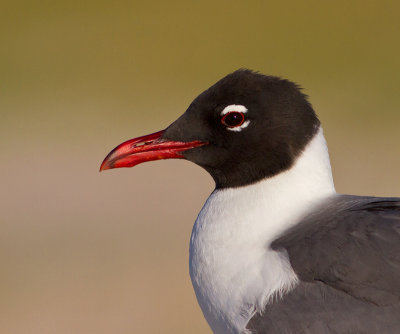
[234, 272]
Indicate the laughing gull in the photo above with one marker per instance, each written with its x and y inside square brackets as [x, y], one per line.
[275, 249]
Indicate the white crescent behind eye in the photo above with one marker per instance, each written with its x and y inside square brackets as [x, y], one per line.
[234, 107]
[239, 108]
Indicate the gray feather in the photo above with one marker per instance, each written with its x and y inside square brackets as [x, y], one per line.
[347, 255]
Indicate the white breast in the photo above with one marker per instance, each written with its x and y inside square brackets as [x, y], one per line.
[233, 270]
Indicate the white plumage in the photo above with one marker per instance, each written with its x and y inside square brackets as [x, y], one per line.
[234, 272]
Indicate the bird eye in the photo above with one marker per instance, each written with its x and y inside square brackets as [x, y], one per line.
[233, 119]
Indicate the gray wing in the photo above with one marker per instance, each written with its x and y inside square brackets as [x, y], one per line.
[351, 244]
[347, 257]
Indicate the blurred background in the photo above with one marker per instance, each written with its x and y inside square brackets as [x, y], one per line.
[83, 252]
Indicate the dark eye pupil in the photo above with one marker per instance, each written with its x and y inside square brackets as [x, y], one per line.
[233, 119]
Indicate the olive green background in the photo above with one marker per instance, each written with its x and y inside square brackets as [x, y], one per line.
[84, 252]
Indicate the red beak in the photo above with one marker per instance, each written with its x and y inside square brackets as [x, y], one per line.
[146, 148]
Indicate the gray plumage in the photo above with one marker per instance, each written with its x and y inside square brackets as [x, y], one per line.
[346, 254]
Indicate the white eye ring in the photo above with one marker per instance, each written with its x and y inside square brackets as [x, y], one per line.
[239, 108]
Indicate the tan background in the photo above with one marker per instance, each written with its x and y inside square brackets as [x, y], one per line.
[83, 252]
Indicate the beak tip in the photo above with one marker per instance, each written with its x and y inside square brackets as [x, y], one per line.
[103, 166]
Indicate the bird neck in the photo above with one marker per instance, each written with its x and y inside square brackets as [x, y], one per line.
[232, 268]
[278, 202]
